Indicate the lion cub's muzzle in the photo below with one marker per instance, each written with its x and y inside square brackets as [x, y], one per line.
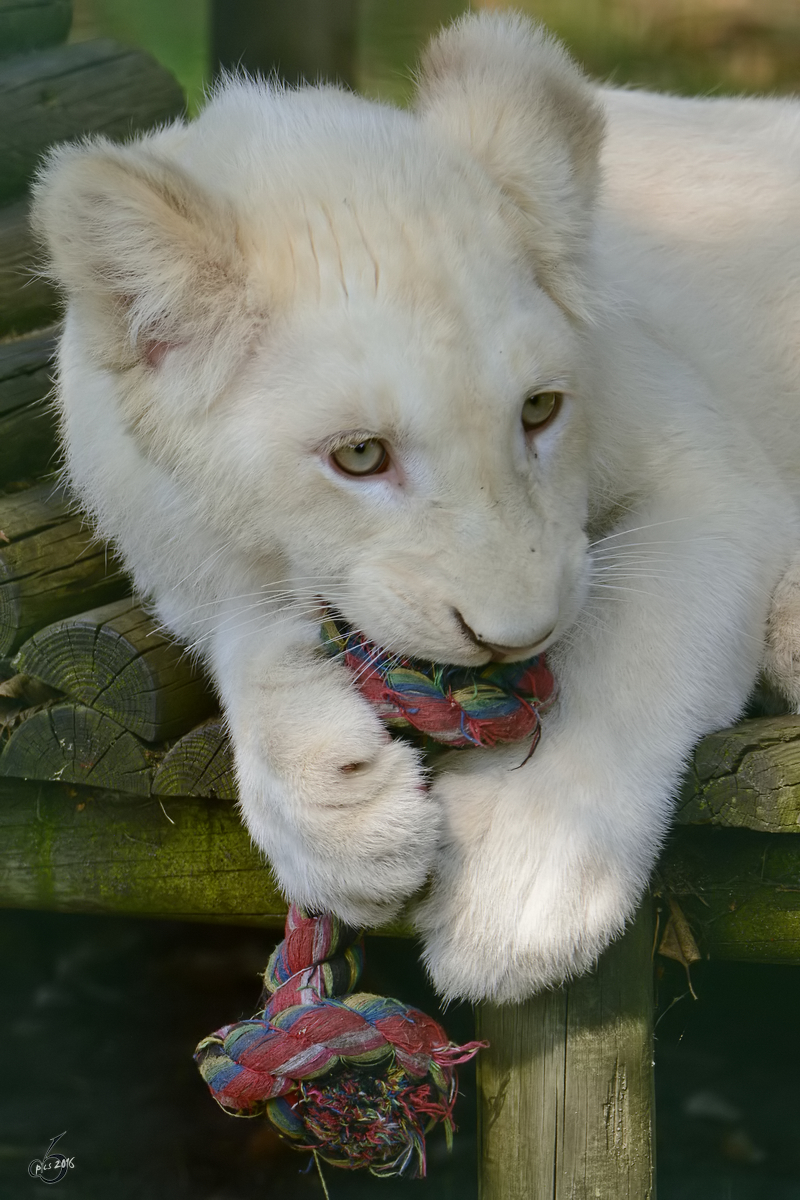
[502, 653]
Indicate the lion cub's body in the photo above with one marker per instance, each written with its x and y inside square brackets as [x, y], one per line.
[296, 272]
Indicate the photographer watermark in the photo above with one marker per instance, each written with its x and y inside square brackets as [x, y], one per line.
[53, 1167]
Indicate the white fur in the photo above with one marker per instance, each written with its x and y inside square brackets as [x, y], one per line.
[297, 267]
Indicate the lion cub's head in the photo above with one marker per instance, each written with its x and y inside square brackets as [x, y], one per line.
[352, 335]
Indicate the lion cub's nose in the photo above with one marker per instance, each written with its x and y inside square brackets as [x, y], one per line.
[499, 652]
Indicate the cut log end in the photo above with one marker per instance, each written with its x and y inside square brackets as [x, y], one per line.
[116, 659]
[73, 744]
[200, 764]
[51, 565]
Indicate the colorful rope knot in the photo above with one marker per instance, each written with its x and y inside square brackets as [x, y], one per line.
[358, 1079]
[457, 706]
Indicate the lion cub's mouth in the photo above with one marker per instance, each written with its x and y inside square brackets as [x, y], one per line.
[334, 627]
[491, 704]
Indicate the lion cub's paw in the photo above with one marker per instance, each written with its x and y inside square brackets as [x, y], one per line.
[343, 813]
[503, 948]
[782, 651]
[524, 896]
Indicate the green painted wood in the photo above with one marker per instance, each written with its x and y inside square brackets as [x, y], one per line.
[33, 24]
[200, 764]
[70, 743]
[746, 777]
[28, 435]
[78, 849]
[566, 1084]
[27, 301]
[88, 87]
[114, 659]
[50, 565]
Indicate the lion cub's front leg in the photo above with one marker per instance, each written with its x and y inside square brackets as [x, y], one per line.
[341, 810]
[544, 861]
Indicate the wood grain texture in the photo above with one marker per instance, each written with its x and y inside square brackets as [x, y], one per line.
[746, 777]
[78, 849]
[741, 890]
[28, 435]
[50, 565]
[32, 24]
[738, 890]
[27, 301]
[70, 743]
[114, 659]
[199, 764]
[87, 87]
[566, 1085]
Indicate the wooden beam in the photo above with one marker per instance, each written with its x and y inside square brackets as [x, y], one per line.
[746, 777]
[115, 659]
[566, 1084]
[50, 565]
[27, 301]
[27, 25]
[200, 764]
[74, 744]
[739, 892]
[87, 87]
[28, 436]
[81, 849]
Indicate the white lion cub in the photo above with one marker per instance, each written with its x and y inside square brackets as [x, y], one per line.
[516, 370]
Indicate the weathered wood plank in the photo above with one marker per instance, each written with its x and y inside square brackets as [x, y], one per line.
[28, 434]
[50, 565]
[566, 1084]
[739, 891]
[200, 764]
[747, 777]
[114, 659]
[70, 743]
[81, 849]
[88, 87]
[33, 24]
[27, 301]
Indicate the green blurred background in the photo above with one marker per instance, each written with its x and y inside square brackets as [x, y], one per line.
[704, 46]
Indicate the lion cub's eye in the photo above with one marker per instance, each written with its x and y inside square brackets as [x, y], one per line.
[363, 458]
[539, 409]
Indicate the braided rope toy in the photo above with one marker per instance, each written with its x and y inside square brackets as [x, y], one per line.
[357, 1079]
[453, 706]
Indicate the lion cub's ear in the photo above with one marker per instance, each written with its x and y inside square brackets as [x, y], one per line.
[501, 88]
[139, 247]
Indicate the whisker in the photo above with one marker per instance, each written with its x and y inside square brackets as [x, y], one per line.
[253, 622]
[638, 528]
[614, 587]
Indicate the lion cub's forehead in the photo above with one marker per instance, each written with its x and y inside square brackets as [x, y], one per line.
[356, 247]
[334, 193]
